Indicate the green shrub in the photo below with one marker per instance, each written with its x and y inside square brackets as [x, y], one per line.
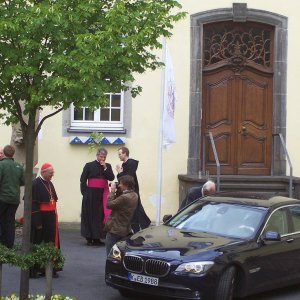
[38, 255]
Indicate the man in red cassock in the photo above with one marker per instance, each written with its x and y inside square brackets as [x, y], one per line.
[44, 221]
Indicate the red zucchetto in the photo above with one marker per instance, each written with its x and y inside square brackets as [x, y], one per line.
[45, 166]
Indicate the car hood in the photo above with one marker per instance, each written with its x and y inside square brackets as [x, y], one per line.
[174, 243]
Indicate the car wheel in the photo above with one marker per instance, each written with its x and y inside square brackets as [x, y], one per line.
[126, 293]
[226, 285]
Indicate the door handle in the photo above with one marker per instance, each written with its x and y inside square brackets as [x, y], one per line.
[243, 130]
[289, 240]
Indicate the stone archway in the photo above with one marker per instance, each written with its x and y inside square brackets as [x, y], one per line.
[238, 13]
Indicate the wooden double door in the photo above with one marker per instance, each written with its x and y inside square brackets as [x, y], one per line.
[237, 110]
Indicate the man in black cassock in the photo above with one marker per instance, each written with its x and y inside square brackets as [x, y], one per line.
[129, 166]
[44, 221]
[94, 189]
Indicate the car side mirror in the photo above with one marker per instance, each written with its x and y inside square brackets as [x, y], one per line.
[166, 218]
[272, 236]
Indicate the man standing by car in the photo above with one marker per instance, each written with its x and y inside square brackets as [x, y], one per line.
[196, 192]
[129, 166]
[11, 178]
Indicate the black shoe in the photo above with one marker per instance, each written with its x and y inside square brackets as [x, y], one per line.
[34, 274]
[97, 242]
[54, 275]
[89, 242]
[42, 274]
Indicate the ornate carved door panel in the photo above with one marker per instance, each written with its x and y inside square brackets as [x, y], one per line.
[237, 97]
[219, 118]
[254, 118]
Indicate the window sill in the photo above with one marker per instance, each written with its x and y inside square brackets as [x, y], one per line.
[89, 130]
[86, 140]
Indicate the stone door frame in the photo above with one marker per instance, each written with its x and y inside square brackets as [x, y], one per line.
[238, 13]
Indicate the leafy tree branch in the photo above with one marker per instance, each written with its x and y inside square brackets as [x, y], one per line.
[57, 52]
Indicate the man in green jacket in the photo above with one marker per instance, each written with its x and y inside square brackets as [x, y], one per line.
[11, 178]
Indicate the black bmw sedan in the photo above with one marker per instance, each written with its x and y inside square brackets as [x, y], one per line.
[219, 247]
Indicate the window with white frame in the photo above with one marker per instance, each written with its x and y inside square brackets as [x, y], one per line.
[109, 118]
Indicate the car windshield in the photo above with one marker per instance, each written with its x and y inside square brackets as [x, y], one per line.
[226, 219]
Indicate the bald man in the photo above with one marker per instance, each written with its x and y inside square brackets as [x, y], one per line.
[196, 192]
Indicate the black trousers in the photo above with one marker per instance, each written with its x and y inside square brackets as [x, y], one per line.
[111, 239]
[7, 223]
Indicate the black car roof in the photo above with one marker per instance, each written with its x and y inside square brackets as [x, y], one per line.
[252, 198]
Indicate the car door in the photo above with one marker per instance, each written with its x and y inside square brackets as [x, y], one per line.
[293, 239]
[271, 265]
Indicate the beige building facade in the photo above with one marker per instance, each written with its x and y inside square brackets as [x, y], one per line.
[205, 76]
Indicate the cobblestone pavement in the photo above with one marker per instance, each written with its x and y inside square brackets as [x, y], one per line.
[83, 274]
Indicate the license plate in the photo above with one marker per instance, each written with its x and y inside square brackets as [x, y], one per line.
[142, 279]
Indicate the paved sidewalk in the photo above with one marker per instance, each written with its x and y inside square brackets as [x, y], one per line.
[83, 275]
[81, 278]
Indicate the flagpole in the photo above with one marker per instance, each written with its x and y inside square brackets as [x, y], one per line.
[160, 142]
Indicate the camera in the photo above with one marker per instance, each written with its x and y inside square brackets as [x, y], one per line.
[116, 183]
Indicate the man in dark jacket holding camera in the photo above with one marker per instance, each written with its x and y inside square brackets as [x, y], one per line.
[118, 224]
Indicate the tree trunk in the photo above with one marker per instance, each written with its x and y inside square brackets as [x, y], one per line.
[17, 140]
[49, 272]
[29, 138]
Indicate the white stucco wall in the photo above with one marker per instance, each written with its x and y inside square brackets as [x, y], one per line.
[5, 134]
[69, 160]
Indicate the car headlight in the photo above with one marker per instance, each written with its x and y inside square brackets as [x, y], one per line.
[196, 267]
[115, 253]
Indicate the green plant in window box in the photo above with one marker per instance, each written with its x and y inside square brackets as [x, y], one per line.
[97, 138]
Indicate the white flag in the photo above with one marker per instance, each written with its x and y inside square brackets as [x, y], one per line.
[169, 134]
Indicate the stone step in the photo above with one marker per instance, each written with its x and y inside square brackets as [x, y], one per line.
[244, 183]
[254, 185]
